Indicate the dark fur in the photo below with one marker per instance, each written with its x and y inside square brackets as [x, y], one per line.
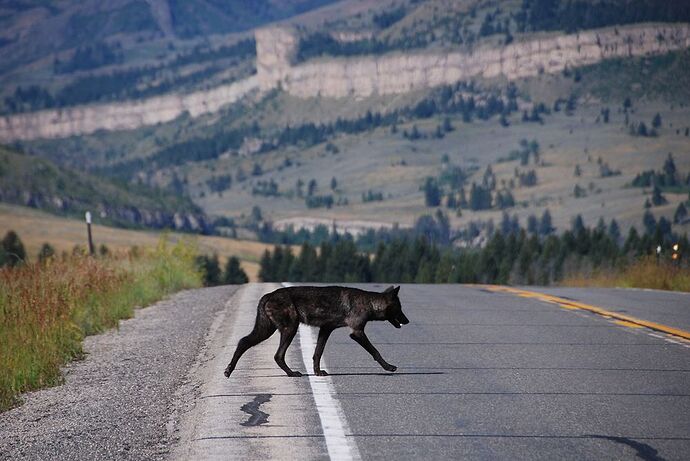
[325, 307]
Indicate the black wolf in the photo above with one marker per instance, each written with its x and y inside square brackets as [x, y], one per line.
[325, 307]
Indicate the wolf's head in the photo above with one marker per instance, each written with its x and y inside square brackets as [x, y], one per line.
[394, 313]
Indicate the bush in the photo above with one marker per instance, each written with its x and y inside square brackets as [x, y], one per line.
[47, 309]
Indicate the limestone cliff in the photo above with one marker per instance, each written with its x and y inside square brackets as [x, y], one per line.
[399, 73]
[357, 77]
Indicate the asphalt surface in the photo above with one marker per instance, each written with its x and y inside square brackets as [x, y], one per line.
[663, 307]
[481, 375]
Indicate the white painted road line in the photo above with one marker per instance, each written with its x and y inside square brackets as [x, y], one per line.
[333, 420]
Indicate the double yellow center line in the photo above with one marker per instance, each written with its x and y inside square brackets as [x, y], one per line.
[621, 319]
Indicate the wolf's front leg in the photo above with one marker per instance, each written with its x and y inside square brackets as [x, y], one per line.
[362, 340]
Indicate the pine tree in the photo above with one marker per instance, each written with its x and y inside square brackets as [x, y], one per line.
[233, 274]
[432, 193]
[545, 225]
[210, 269]
[649, 222]
[680, 214]
[614, 231]
[657, 198]
[13, 250]
[266, 271]
[46, 252]
[670, 171]
[532, 224]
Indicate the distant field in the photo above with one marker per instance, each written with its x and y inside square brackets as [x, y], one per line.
[35, 228]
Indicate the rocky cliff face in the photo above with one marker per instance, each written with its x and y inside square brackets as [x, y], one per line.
[399, 73]
[357, 77]
[128, 115]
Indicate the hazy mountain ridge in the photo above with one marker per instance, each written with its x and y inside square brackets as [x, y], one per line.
[368, 128]
[358, 77]
[38, 183]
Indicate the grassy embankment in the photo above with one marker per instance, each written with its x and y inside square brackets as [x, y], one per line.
[642, 273]
[36, 227]
[47, 309]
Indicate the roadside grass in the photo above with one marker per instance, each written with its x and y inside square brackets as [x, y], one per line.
[642, 273]
[46, 309]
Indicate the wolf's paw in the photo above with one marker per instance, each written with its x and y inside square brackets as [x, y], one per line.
[227, 372]
[389, 367]
[321, 373]
[294, 374]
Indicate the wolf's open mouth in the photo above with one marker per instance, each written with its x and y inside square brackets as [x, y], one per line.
[394, 322]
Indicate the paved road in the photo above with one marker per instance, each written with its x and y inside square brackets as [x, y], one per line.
[657, 306]
[482, 375]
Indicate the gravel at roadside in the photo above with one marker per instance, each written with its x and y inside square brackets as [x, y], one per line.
[120, 401]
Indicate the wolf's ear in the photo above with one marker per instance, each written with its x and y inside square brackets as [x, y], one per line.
[396, 290]
[390, 289]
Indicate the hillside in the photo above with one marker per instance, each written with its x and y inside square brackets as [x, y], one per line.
[39, 183]
[35, 228]
[360, 116]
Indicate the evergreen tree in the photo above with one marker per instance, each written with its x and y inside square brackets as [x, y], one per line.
[266, 271]
[432, 193]
[451, 201]
[657, 198]
[670, 171]
[656, 121]
[311, 188]
[233, 273]
[46, 252]
[13, 250]
[649, 222]
[532, 224]
[545, 225]
[578, 225]
[334, 183]
[632, 242]
[614, 231]
[210, 269]
[680, 214]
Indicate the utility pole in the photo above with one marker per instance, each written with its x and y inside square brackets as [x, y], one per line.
[88, 230]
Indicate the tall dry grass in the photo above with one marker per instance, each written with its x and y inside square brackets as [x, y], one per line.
[47, 309]
[642, 273]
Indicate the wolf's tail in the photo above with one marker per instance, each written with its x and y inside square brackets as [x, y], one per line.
[263, 325]
[263, 329]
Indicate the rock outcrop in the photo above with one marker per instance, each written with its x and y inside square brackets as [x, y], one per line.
[402, 72]
[127, 115]
[358, 77]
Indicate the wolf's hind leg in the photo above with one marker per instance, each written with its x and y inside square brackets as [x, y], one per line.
[263, 329]
[324, 333]
[286, 336]
[362, 340]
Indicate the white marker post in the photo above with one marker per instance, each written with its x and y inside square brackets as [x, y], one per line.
[88, 230]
